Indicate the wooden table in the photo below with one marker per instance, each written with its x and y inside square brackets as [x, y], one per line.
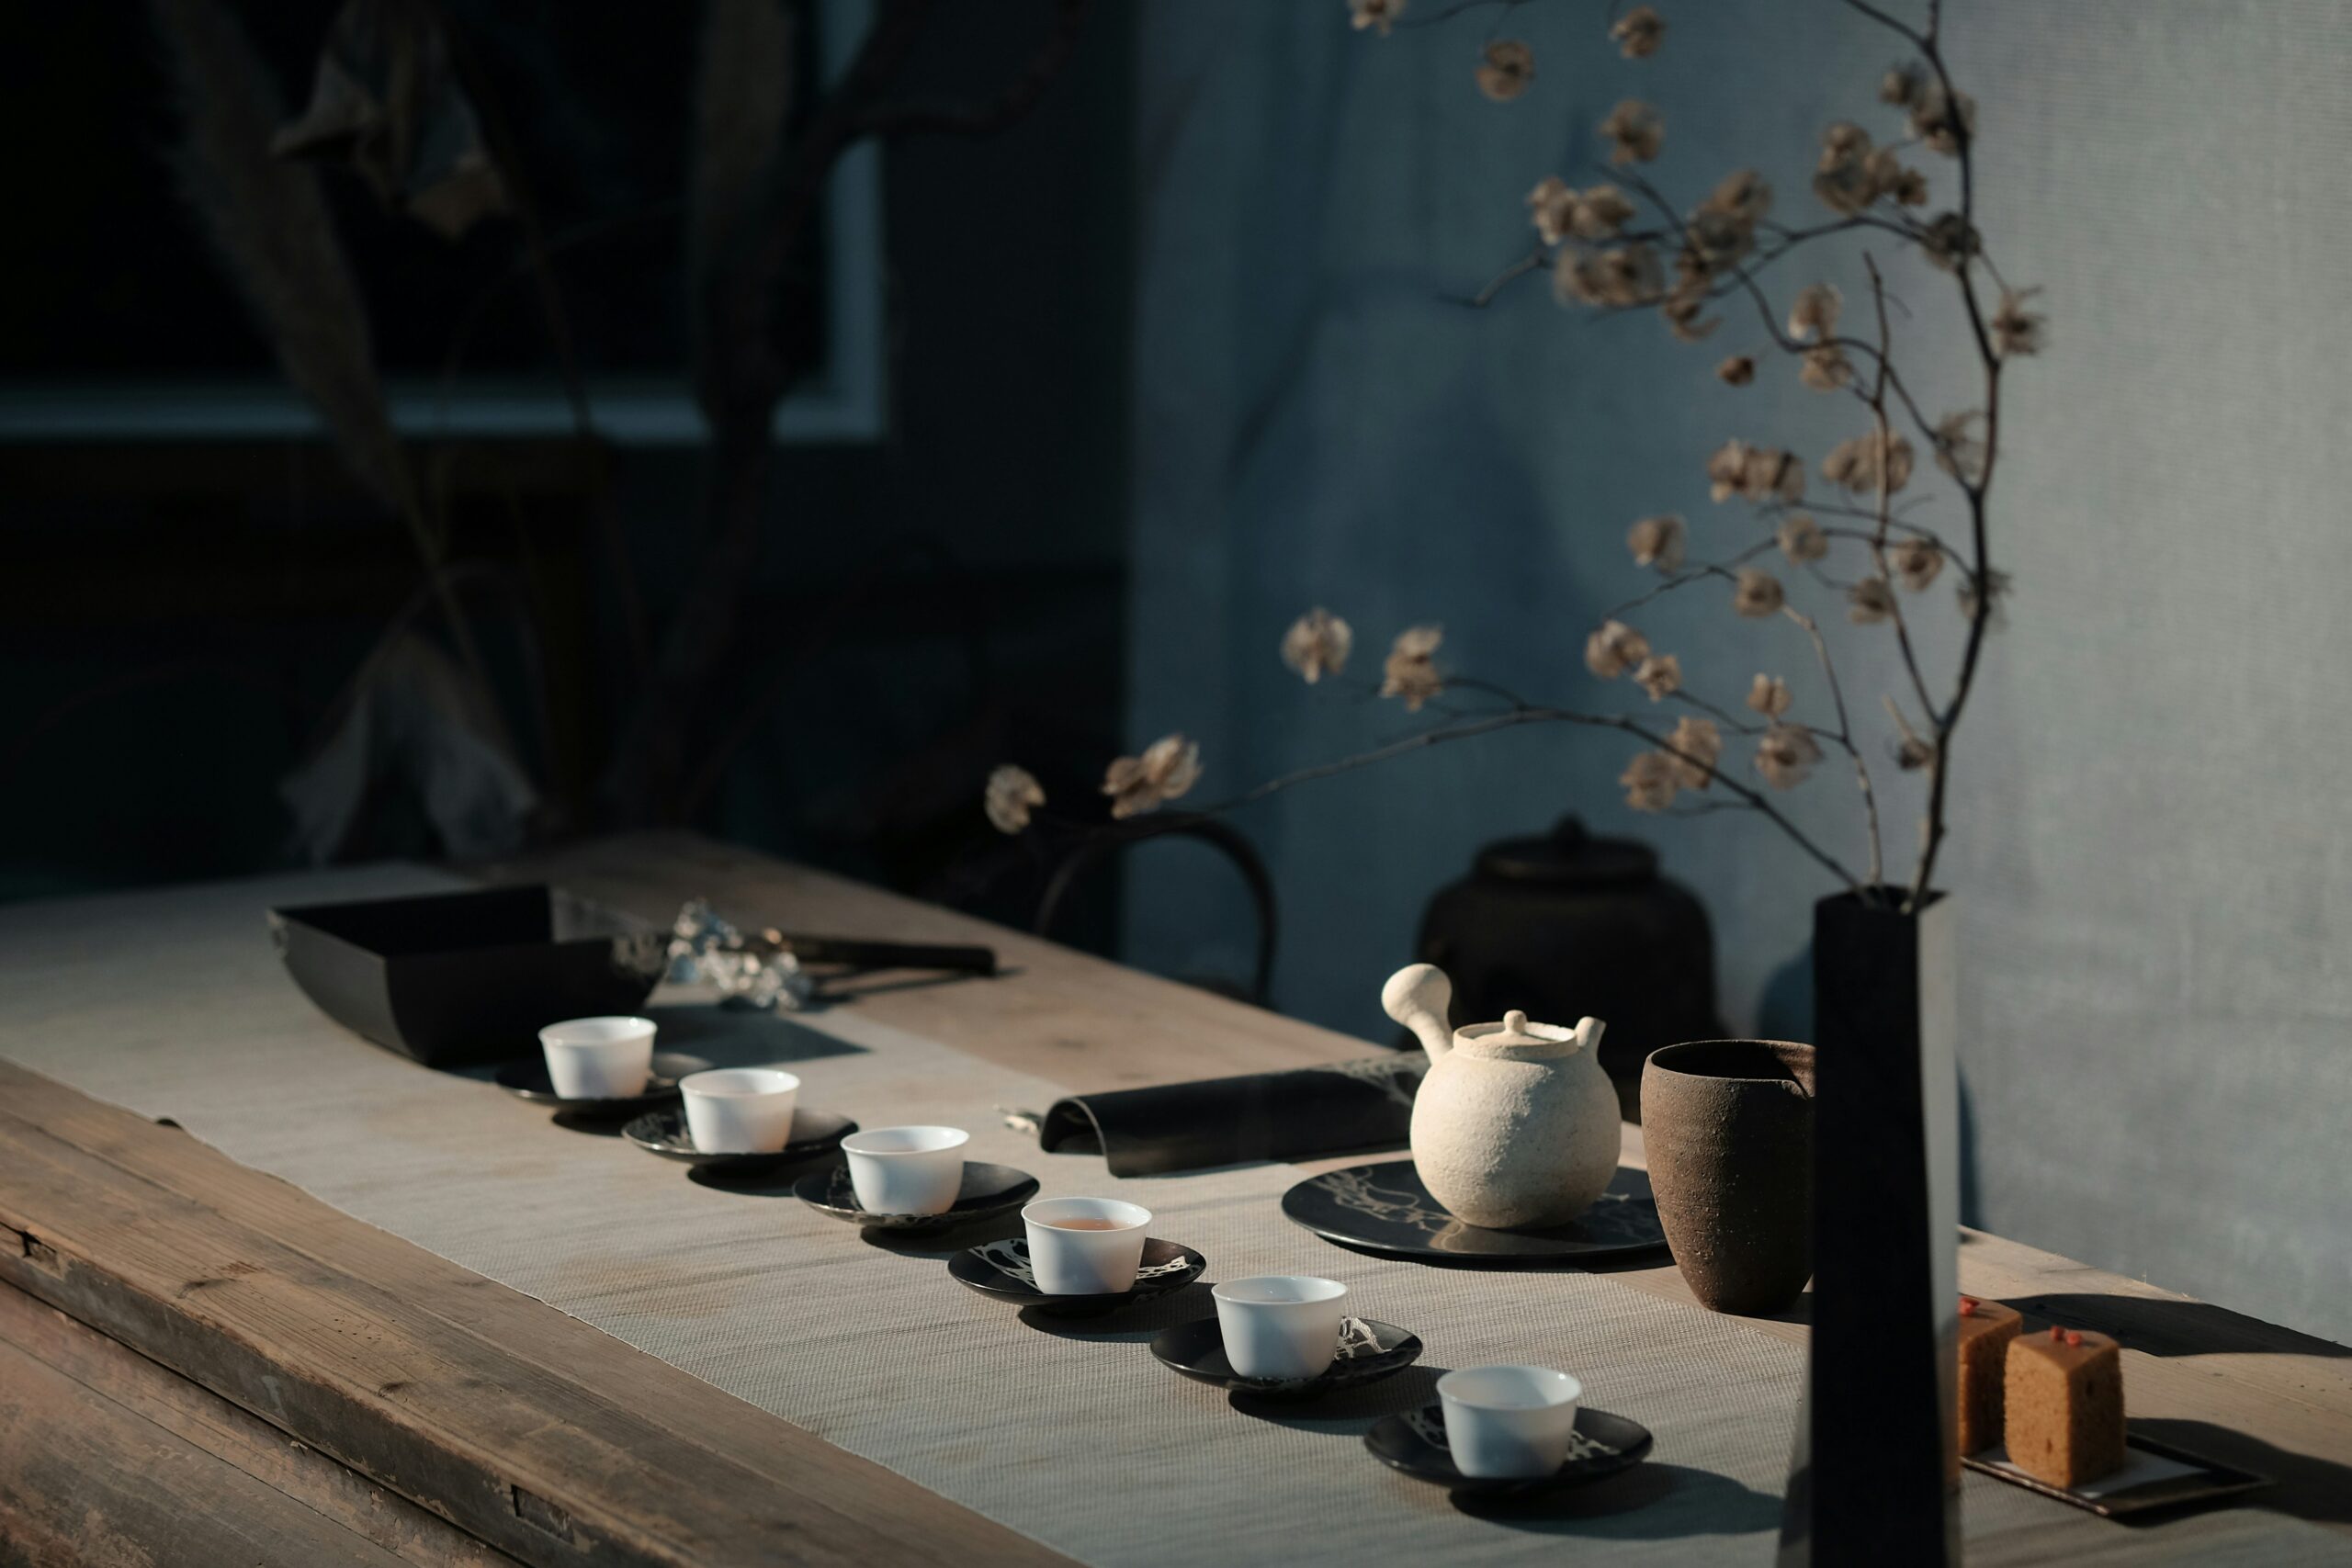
[199, 1362]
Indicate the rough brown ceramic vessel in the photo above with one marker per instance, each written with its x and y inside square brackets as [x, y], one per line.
[1728, 1128]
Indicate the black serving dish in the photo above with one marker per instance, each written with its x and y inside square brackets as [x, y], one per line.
[1385, 1209]
[814, 1133]
[989, 1192]
[460, 980]
[999, 1270]
[1414, 1443]
[528, 1079]
[2155, 1475]
[1368, 1352]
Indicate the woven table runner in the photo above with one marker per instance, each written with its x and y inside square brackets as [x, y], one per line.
[172, 1004]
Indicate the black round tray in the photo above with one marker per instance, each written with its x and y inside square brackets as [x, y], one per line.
[1383, 1208]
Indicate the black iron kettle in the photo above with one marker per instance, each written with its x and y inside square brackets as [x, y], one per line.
[1569, 924]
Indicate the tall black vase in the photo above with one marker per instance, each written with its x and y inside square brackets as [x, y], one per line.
[1876, 1472]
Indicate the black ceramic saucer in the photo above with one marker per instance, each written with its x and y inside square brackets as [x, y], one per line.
[1368, 1352]
[1001, 1269]
[528, 1079]
[1385, 1209]
[814, 1132]
[987, 1191]
[1414, 1443]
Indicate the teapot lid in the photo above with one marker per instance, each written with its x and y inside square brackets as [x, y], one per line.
[1569, 857]
[1516, 1030]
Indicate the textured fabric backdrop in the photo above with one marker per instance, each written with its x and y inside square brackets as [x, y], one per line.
[2149, 843]
[173, 1005]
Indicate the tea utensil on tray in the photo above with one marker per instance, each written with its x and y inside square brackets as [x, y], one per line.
[1383, 1208]
[988, 1192]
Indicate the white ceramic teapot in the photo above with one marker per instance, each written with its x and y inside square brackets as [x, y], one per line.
[1515, 1124]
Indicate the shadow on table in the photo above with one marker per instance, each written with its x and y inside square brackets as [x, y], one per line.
[772, 1181]
[833, 989]
[1347, 1414]
[743, 1037]
[2317, 1490]
[941, 1246]
[1649, 1501]
[2161, 1327]
[1129, 1326]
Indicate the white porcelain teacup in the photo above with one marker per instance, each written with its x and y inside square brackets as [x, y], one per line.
[907, 1171]
[598, 1058]
[1085, 1247]
[1509, 1421]
[1280, 1326]
[740, 1110]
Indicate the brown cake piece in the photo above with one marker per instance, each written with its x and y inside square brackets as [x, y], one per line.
[1985, 1330]
[2063, 1395]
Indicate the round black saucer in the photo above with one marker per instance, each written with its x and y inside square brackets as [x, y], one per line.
[1001, 1269]
[1369, 1351]
[528, 1079]
[1385, 1209]
[814, 1132]
[1414, 1443]
[988, 1191]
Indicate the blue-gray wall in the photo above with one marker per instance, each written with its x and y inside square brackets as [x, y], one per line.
[2150, 834]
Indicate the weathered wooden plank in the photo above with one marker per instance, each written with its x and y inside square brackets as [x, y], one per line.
[547, 1463]
[138, 1417]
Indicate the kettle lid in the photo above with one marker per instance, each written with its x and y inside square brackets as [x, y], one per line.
[1570, 857]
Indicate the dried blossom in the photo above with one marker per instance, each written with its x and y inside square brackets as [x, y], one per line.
[1769, 694]
[1856, 465]
[1826, 368]
[1785, 753]
[1902, 84]
[1960, 451]
[1169, 766]
[1011, 793]
[2000, 583]
[1736, 372]
[1756, 594]
[1681, 311]
[1381, 14]
[1721, 229]
[1870, 602]
[1509, 67]
[1600, 211]
[1660, 676]
[1912, 751]
[1694, 749]
[1814, 312]
[1650, 781]
[2016, 330]
[1625, 276]
[1917, 562]
[1409, 673]
[1551, 206]
[1635, 132]
[1659, 542]
[1889, 177]
[1801, 538]
[1317, 644]
[1842, 177]
[1638, 32]
[1754, 473]
[1942, 120]
[1614, 649]
[1950, 243]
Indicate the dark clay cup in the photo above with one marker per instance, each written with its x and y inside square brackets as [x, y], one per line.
[1728, 1128]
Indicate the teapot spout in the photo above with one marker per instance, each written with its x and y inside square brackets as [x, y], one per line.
[1418, 996]
[1588, 1030]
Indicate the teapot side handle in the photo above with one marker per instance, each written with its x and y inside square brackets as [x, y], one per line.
[1418, 996]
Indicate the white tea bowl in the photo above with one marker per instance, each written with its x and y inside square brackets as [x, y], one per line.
[598, 1058]
[1085, 1247]
[907, 1171]
[1509, 1421]
[740, 1110]
[1280, 1326]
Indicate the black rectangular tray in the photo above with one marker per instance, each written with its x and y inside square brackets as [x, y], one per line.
[456, 980]
[2212, 1481]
